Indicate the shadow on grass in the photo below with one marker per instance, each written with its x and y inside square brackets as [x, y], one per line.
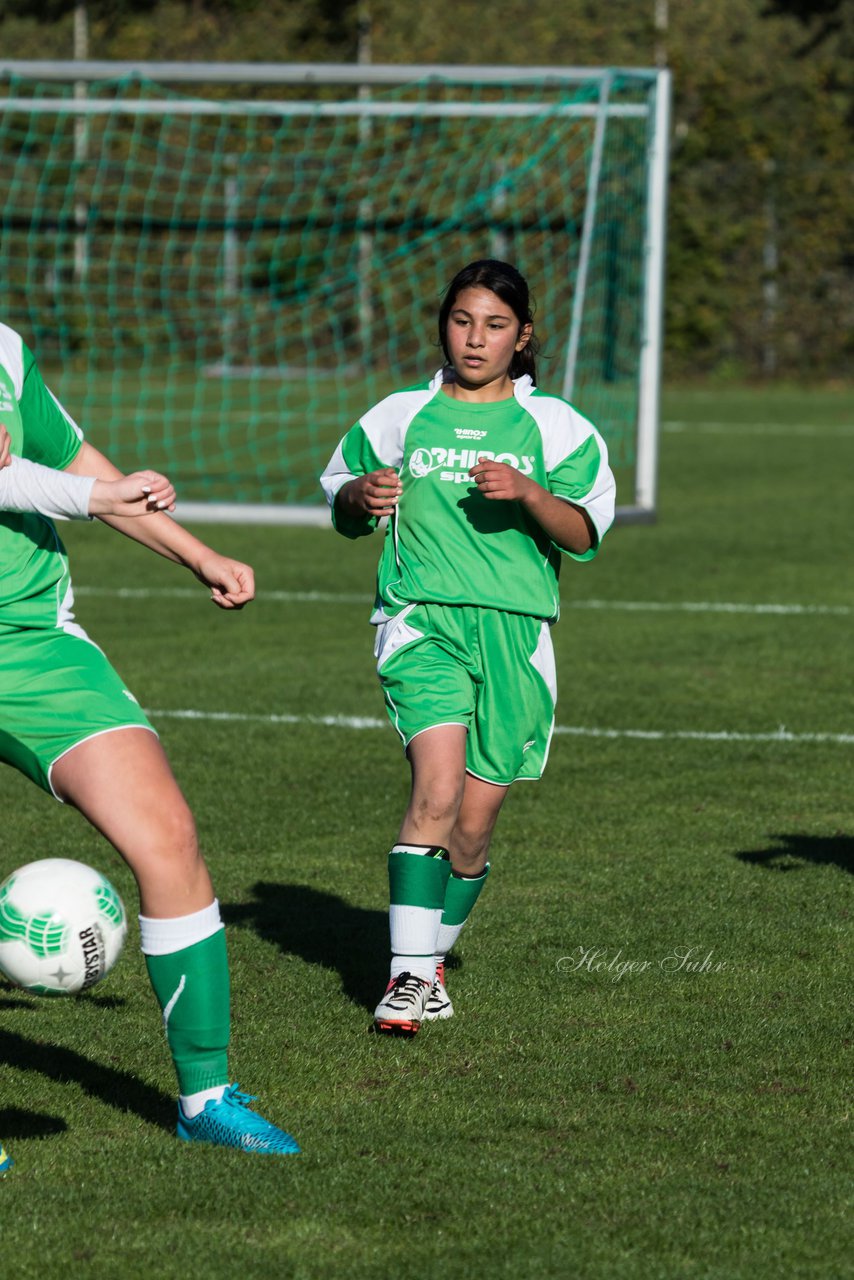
[322, 929]
[15, 1123]
[117, 1089]
[17, 998]
[793, 852]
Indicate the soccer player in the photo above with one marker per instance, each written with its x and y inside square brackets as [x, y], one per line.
[72, 727]
[28, 486]
[485, 482]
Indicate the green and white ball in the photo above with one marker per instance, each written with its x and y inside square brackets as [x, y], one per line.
[62, 927]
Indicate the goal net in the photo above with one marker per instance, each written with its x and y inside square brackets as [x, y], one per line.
[220, 267]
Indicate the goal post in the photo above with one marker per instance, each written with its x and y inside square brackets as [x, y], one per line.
[231, 262]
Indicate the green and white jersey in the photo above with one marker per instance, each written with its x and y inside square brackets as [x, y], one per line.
[35, 584]
[446, 543]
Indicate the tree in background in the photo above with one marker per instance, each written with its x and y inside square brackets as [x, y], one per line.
[759, 261]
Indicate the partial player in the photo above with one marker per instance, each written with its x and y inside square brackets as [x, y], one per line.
[72, 726]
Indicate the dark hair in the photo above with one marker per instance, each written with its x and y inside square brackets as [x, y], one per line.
[511, 287]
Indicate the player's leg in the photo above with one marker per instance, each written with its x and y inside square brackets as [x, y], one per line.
[122, 783]
[437, 761]
[508, 740]
[427, 686]
[418, 870]
[475, 824]
[469, 845]
[71, 726]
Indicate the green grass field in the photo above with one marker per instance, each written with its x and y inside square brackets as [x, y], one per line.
[682, 1117]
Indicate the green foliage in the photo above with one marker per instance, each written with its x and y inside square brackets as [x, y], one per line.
[758, 276]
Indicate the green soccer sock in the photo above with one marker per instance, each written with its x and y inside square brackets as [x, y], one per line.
[461, 893]
[192, 986]
[417, 879]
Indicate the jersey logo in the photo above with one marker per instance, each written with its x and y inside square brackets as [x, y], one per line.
[454, 464]
[422, 463]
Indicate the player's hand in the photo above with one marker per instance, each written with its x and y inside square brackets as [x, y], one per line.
[139, 494]
[5, 447]
[500, 481]
[375, 494]
[232, 584]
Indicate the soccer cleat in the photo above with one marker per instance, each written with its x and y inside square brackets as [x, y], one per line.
[402, 1007]
[438, 1002]
[6, 1160]
[230, 1123]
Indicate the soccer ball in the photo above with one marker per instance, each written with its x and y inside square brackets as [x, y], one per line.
[62, 927]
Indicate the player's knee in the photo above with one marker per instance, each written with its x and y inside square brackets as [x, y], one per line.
[180, 833]
[438, 804]
[170, 837]
[469, 858]
[470, 846]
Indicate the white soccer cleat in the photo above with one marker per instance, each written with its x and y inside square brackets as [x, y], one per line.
[402, 1007]
[438, 1002]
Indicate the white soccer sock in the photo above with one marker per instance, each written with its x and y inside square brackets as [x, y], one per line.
[161, 937]
[413, 930]
[192, 1104]
[448, 934]
[423, 967]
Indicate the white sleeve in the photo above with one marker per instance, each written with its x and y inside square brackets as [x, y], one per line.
[28, 486]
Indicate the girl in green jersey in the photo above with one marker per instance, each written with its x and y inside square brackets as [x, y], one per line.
[485, 482]
[30, 487]
[70, 725]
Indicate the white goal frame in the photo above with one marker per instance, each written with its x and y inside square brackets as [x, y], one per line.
[362, 78]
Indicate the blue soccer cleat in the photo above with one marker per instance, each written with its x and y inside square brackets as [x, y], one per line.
[6, 1160]
[230, 1123]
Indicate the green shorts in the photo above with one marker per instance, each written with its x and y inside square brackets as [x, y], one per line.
[493, 672]
[57, 689]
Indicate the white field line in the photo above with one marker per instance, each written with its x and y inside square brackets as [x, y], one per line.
[618, 606]
[781, 735]
[808, 429]
[710, 606]
[198, 593]
[669, 425]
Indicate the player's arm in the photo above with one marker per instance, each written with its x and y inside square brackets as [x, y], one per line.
[567, 525]
[231, 583]
[138, 494]
[5, 447]
[29, 486]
